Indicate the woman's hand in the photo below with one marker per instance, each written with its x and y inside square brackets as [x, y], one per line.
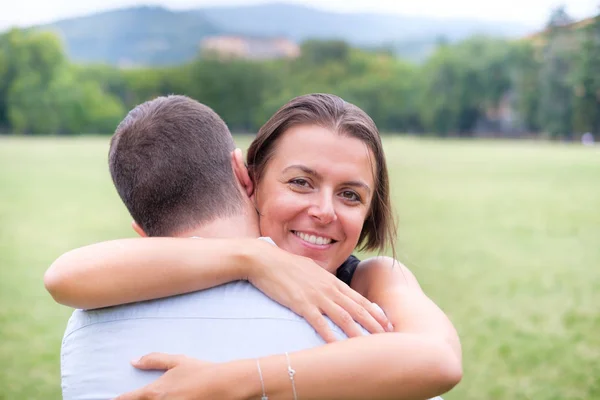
[185, 378]
[304, 287]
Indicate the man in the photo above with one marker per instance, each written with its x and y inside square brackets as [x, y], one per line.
[170, 160]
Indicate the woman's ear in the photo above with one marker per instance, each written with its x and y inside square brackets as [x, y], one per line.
[241, 172]
[138, 229]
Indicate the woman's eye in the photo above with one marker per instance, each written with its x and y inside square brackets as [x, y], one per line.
[350, 195]
[300, 182]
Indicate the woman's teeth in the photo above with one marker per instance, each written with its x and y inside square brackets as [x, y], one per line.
[312, 238]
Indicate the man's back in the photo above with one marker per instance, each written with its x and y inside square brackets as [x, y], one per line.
[228, 322]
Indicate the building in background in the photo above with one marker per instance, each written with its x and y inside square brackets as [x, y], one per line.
[539, 38]
[249, 48]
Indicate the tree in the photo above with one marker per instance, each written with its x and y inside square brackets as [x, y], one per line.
[587, 80]
[235, 89]
[559, 17]
[525, 81]
[29, 60]
[384, 88]
[318, 52]
[556, 93]
[463, 82]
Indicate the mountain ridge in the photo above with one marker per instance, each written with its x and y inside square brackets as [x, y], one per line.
[155, 35]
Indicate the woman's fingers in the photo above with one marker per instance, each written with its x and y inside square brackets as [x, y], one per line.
[371, 308]
[342, 318]
[139, 394]
[157, 361]
[360, 314]
[316, 319]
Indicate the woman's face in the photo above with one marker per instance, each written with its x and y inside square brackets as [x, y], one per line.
[315, 194]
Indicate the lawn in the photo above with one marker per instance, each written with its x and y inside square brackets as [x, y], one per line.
[504, 236]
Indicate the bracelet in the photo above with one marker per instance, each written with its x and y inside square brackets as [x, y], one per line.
[262, 382]
[291, 373]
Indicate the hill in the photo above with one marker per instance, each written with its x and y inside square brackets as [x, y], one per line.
[134, 36]
[159, 36]
[301, 22]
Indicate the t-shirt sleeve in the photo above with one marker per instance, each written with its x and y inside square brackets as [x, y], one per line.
[267, 239]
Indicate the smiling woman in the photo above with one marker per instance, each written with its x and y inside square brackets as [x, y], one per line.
[314, 203]
[342, 153]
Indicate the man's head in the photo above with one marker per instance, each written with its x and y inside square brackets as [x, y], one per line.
[170, 160]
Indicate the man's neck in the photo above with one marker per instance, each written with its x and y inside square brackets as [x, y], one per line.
[236, 226]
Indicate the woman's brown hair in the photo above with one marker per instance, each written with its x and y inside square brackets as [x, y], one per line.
[331, 112]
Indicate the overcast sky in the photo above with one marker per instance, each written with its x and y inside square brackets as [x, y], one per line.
[530, 12]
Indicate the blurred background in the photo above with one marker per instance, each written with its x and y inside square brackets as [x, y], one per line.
[490, 115]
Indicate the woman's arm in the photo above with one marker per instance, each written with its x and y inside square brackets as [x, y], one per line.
[390, 284]
[385, 366]
[420, 360]
[358, 368]
[129, 270]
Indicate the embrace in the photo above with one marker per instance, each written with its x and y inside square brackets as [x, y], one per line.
[243, 285]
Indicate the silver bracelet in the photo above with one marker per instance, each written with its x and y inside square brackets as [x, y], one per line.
[262, 383]
[291, 373]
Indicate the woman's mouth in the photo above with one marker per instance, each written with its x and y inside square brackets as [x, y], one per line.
[314, 239]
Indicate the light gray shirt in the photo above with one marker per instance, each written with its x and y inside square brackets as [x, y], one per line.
[224, 323]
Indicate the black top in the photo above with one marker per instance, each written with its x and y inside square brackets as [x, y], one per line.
[346, 270]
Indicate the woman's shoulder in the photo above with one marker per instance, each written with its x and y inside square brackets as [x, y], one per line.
[384, 268]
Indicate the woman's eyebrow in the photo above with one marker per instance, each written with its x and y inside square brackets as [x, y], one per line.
[359, 184]
[304, 169]
[314, 173]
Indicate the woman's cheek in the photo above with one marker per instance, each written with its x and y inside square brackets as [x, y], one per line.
[354, 223]
[275, 214]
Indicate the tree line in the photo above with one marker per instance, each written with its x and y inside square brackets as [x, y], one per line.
[548, 84]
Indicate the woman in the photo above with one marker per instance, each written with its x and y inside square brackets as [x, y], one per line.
[318, 179]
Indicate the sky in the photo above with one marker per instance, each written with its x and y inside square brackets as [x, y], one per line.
[533, 13]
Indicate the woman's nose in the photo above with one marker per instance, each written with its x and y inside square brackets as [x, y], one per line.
[323, 210]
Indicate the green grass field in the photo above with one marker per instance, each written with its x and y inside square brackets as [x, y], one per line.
[504, 236]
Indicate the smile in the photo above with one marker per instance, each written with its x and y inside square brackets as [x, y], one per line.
[318, 240]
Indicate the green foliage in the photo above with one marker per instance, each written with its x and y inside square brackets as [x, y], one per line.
[27, 64]
[43, 94]
[556, 92]
[587, 80]
[525, 78]
[384, 88]
[31, 107]
[318, 53]
[465, 81]
[235, 89]
[85, 106]
[478, 86]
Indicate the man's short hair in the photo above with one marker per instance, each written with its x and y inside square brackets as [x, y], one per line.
[170, 161]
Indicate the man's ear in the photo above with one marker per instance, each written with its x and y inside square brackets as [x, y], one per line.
[138, 229]
[241, 172]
